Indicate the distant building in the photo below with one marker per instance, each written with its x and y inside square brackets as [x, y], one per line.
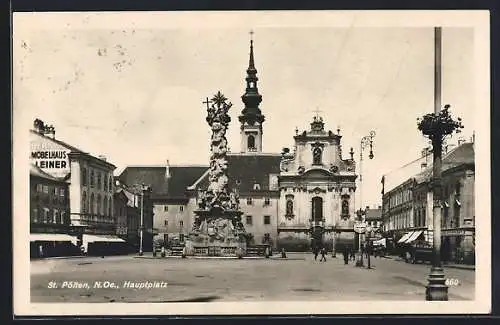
[373, 218]
[168, 209]
[407, 208]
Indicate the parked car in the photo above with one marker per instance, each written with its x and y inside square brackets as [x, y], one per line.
[417, 251]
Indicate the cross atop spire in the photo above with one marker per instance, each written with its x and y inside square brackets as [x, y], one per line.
[251, 63]
[317, 111]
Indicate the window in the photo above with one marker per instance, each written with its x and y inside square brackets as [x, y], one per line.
[84, 176]
[251, 142]
[289, 207]
[249, 220]
[105, 183]
[105, 206]
[99, 206]
[84, 202]
[181, 208]
[99, 180]
[92, 207]
[92, 180]
[63, 217]
[166, 223]
[256, 187]
[317, 156]
[46, 217]
[181, 238]
[345, 207]
[46, 189]
[34, 216]
[62, 192]
[267, 220]
[249, 201]
[56, 192]
[181, 223]
[39, 187]
[110, 206]
[110, 183]
[57, 217]
[267, 201]
[165, 208]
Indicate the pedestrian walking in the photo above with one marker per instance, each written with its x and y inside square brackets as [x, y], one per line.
[345, 252]
[352, 256]
[323, 255]
[316, 252]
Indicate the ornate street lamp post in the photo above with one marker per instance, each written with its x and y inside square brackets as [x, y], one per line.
[366, 141]
[436, 126]
[143, 188]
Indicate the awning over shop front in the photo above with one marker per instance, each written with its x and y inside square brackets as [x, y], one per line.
[102, 239]
[53, 238]
[413, 236]
[405, 237]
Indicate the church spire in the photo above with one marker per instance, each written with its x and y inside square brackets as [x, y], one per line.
[251, 114]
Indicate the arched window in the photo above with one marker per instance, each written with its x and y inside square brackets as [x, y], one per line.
[58, 217]
[99, 180]
[99, 204]
[84, 202]
[251, 142]
[84, 176]
[317, 156]
[92, 207]
[317, 208]
[289, 207]
[345, 207]
[105, 204]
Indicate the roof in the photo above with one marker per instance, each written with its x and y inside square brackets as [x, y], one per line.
[373, 214]
[249, 170]
[74, 150]
[62, 143]
[38, 172]
[462, 155]
[173, 187]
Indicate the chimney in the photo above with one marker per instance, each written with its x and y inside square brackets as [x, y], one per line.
[51, 131]
[103, 158]
[167, 171]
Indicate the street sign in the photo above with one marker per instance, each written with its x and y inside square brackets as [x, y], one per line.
[360, 227]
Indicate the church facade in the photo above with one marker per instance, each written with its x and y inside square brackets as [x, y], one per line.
[291, 200]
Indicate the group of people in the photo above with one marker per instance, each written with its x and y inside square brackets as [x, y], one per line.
[348, 253]
[317, 250]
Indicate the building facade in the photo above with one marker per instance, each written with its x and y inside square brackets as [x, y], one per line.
[407, 208]
[90, 184]
[317, 189]
[49, 215]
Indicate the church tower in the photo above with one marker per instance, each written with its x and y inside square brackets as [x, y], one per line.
[251, 118]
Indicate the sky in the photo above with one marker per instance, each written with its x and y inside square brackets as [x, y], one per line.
[133, 91]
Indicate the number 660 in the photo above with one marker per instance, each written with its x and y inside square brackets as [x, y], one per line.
[452, 282]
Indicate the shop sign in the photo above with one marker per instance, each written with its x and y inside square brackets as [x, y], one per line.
[453, 232]
[360, 227]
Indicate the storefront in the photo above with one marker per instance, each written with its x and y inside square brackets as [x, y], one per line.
[458, 245]
[52, 245]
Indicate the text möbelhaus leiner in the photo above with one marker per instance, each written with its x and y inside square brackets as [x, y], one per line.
[50, 159]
